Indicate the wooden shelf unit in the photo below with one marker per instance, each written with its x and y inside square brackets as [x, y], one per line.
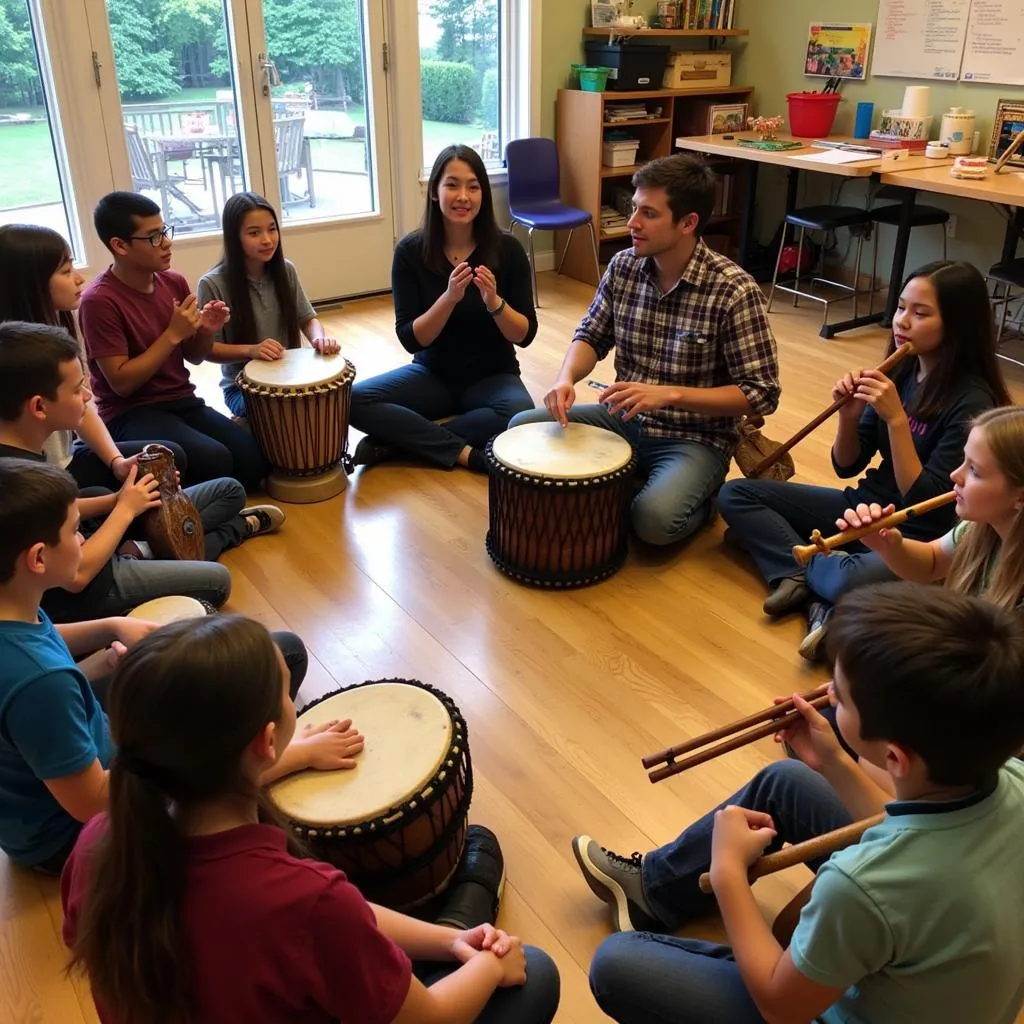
[580, 128]
[696, 33]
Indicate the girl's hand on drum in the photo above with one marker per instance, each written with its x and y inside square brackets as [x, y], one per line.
[866, 515]
[458, 282]
[213, 316]
[130, 631]
[327, 346]
[139, 495]
[330, 746]
[558, 401]
[268, 350]
[878, 391]
[121, 466]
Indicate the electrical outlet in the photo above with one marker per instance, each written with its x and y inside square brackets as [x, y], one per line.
[951, 226]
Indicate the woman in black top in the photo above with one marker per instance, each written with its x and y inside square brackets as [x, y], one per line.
[463, 300]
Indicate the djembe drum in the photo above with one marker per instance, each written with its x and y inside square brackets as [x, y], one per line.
[164, 610]
[174, 530]
[396, 824]
[559, 498]
[298, 409]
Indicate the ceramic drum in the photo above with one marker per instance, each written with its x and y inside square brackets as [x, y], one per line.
[298, 409]
[559, 499]
[396, 824]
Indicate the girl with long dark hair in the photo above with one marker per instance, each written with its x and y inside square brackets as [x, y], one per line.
[182, 905]
[917, 420]
[463, 303]
[269, 310]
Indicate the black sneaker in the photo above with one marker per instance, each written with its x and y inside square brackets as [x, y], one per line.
[473, 896]
[812, 645]
[370, 452]
[477, 462]
[619, 882]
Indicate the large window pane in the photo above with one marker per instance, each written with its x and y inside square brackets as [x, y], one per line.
[33, 177]
[320, 109]
[461, 76]
[179, 106]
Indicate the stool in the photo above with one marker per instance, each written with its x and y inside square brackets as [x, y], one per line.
[921, 217]
[822, 218]
[1010, 275]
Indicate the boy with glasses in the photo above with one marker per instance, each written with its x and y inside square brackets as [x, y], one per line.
[140, 322]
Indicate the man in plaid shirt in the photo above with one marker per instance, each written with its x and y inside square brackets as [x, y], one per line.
[693, 351]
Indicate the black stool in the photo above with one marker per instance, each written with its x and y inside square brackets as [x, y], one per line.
[1009, 275]
[822, 218]
[922, 217]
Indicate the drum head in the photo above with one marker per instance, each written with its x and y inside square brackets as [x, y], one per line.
[408, 733]
[575, 452]
[164, 610]
[297, 368]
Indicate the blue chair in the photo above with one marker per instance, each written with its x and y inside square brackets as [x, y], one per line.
[534, 199]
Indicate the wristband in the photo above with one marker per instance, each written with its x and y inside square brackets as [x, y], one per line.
[113, 460]
[499, 310]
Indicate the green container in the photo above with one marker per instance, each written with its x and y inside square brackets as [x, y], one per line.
[593, 79]
[574, 75]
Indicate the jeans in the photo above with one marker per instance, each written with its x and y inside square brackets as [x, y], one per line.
[533, 1003]
[89, 470]
[658, 979]
[213, 445]
[398, 409]
[768, 518]
[681, 476]
[234, 399]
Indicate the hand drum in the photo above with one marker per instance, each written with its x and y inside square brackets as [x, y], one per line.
[173, 530]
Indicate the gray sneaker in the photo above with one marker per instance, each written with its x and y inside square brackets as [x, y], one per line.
[618, 881]
[790, 595]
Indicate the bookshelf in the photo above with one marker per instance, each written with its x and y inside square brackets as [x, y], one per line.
[618, 31]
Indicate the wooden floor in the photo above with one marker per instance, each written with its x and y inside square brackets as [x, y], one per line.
[563, 692]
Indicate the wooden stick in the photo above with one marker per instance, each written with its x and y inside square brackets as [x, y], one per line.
[771, 727]
[901, 353]
[1012, 148]
[822, 545]
[812, 849]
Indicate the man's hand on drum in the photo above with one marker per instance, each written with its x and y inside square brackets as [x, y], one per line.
[559, 400]
[326, 346]
[330, 746]
[631, 397]
[269, 350]
[485, 938]
[213, 316]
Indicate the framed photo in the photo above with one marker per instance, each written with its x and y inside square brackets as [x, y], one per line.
[726, 117]
[603, 14]
[1006, 126]
[838, 50]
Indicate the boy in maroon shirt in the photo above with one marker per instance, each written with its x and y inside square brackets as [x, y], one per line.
[140, 322]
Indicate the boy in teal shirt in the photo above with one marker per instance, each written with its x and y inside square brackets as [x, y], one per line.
[921, 920]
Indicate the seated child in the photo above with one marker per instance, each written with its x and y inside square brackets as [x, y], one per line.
[55, 747]
[919, 921]
[182, 904]
[140, 322]
[43, 390]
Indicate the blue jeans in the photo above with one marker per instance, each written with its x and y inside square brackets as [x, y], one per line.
[398, 408]
[214, 446]
[768, 518]
[533, 1003]
[89, 470]
[681, 476]
[659, 979]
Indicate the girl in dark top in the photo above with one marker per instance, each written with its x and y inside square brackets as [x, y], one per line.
[917, 421]
[463, 300]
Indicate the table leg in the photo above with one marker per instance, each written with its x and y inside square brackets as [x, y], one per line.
[747, 222]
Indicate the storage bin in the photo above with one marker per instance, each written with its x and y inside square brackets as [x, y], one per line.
[619, 154]
[592, 79]
[705, 70]
[633, 66]
[812, 114]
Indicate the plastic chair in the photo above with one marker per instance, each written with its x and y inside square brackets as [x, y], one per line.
[534, 199]
[1005, 277]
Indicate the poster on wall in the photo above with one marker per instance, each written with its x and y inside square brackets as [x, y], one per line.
[921, 38]
[994, 48]
[838, 50]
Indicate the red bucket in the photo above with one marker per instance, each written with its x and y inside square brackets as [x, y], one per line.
[812, 114]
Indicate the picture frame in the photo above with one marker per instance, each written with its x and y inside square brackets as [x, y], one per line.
[838, 50]
[603, 13]
[724, 118]
[1007, 124]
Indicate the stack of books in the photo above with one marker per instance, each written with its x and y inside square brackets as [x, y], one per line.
[706, 13]
[612, 220]
[626, 112]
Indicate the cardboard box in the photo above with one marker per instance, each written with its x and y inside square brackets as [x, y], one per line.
[703, 70]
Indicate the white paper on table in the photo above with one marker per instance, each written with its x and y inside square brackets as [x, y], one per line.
[837, 156]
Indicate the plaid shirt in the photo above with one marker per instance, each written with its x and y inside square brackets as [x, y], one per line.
[710, 330]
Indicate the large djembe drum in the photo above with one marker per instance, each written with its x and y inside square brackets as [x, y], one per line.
[559, 499]
[396, 824]
[298, 409]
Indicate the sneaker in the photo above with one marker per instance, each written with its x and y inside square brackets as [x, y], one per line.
[788, 595]
[370, 452]
[473, 896]
[262, 519]
[619, 882]
[477, 462]
[731, 540]
[812, 645]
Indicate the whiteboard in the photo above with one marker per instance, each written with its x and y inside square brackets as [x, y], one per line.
[921, 38]
[994, 48]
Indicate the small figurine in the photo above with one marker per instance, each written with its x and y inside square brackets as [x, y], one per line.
[766, 127]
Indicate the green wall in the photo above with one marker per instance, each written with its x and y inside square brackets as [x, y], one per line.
[770, 59]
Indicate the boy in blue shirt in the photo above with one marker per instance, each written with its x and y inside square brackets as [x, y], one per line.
[921, 920]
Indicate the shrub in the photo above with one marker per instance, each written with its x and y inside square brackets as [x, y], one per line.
[449, 91]
[489, 99]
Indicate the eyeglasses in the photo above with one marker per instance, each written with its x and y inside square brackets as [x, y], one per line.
[157, 238]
